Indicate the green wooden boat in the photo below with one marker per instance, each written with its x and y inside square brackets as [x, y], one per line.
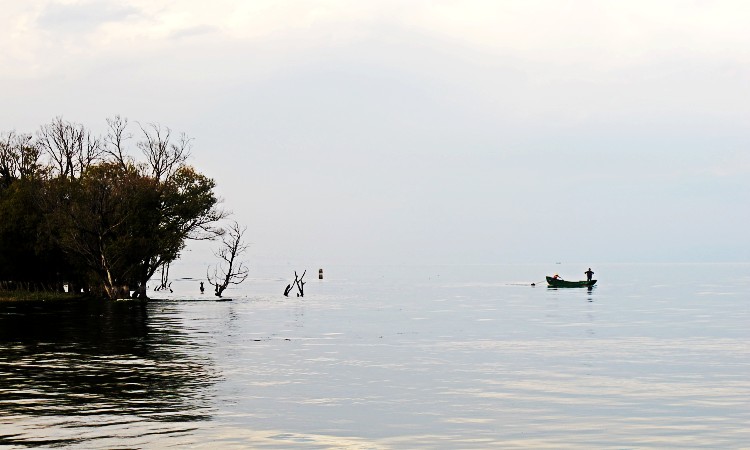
[556, 282]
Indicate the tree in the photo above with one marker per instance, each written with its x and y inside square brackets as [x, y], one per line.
[229, 270]
[19, 158]
[70, 147]
[117, 220]
[186, 210]
[114, 142]
[124, 226]
[94, 215]
[163, 156]
[28, 253]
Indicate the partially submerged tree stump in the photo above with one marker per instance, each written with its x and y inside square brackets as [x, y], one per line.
[297, 282]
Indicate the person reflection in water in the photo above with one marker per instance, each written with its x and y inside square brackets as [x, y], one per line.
[589, 274]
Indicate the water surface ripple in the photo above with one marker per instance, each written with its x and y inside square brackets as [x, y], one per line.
[391, 357]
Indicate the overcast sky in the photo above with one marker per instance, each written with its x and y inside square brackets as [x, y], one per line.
[422, 131]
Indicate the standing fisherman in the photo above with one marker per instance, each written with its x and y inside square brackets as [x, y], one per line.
[589, 274]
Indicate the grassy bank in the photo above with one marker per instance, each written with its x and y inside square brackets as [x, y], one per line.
[27, 296]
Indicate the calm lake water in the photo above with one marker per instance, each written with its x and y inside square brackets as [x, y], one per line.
[654, 356]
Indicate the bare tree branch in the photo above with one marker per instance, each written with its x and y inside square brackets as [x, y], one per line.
[114, 142]
[163, 156]
[70, 147]
[229, 271]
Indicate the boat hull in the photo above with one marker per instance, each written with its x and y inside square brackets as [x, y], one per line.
[554, 282]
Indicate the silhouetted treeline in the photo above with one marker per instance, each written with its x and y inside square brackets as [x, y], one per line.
[91, 212]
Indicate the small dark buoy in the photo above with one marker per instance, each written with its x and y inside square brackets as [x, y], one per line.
[320, 274]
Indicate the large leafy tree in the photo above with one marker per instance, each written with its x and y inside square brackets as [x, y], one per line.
[29, 255]
[117, 220]
[183, 207]
[124, 225]
[96, 216]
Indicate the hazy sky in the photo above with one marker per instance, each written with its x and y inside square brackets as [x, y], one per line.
[422, 131]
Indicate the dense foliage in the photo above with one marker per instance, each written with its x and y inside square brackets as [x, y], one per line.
[80, 210]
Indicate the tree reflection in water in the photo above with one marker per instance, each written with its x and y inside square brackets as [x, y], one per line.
[97, 359]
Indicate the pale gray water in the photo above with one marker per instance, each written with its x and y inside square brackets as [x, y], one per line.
[392, 357]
